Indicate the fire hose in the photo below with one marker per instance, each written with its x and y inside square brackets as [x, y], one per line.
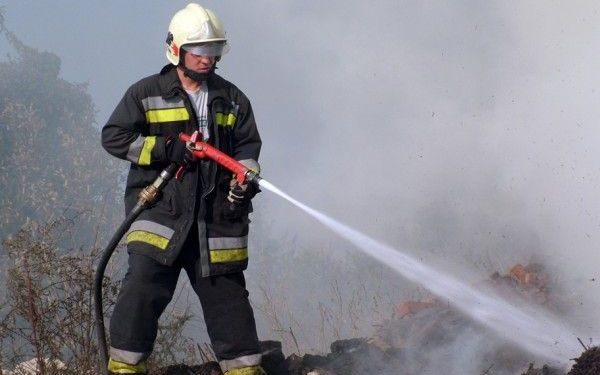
[149, 195]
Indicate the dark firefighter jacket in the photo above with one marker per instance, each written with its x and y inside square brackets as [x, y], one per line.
[151, 111]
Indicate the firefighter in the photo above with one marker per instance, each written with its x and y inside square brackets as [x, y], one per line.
[200, 223]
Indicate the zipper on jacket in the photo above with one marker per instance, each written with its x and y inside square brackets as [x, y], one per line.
[212, 167]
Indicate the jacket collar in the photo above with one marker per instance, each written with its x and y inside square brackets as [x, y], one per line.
[169, 81]
[170, 85]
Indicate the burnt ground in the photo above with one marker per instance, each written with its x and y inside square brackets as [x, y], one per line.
[344, 362]
[425, 337]
[588, 363]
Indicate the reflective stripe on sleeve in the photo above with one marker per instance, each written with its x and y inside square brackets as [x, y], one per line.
[140, 150]
[251, 164]
[146, 152]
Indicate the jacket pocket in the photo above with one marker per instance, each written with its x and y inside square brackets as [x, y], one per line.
[140, 177]
[169, 203]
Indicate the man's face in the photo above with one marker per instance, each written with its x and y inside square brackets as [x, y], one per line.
[199, 63]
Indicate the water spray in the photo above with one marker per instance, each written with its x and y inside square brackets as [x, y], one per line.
[534, 330]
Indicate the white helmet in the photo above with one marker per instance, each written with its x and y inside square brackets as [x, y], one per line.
[191, 26]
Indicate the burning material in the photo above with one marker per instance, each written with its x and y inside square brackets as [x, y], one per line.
[528, 282]
[413, 307]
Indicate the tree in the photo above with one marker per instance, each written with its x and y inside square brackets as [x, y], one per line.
[51, 161]
[55, 180]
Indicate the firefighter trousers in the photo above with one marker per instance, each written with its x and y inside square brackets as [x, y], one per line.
[148, 287]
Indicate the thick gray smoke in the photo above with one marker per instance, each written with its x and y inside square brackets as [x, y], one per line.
[461, 131]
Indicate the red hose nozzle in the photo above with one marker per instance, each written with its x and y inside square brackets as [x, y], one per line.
[203, 150]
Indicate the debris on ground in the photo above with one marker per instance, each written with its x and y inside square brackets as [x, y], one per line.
[545, 370]
[588, 363]
[426, 336]
[208, 368]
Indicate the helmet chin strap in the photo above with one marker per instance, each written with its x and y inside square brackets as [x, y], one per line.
[195, 76]
[198, 77]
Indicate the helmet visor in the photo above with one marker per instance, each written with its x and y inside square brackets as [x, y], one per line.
[207, 49]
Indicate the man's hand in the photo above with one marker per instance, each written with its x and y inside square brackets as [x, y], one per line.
[177, 152]
[238, 197]
[237, 192]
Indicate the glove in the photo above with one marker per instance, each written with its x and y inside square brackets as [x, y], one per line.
[238, 197]
[177, 152]
[237, 192]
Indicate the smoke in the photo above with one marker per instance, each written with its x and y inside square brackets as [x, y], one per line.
[461, 131]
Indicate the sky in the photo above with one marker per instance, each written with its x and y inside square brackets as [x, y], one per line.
[463, 132]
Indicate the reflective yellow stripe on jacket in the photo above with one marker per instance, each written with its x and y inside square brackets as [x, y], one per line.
[226, 120]
[149, 238]
[167, 115]
[140, 150]
[149, 232]
[228, 255]
[157, 110]
[228, 249]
